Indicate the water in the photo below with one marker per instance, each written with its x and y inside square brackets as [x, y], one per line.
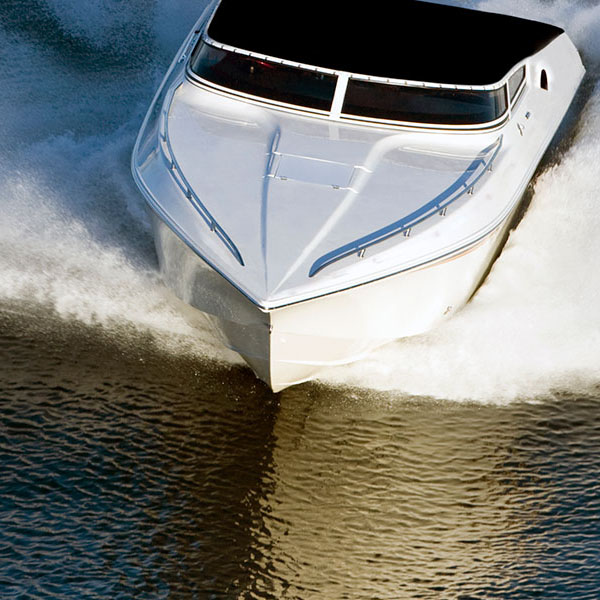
[128, 472]
[140, 459]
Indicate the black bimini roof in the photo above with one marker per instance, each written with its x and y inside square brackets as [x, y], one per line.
[406, 39]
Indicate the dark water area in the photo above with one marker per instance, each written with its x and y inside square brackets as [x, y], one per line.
[130, 473]
[139, 460]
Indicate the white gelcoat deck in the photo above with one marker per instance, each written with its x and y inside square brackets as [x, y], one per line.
[289, 188]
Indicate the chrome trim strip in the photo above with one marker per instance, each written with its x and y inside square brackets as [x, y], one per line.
[476, 127]
[279, 61]
[463, 185]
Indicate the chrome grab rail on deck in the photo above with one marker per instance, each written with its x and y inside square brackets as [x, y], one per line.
[183, 184]
[465, 184]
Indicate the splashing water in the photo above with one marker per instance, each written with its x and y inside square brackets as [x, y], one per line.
[74, 235]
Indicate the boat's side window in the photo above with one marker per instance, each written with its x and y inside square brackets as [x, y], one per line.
[544, 80]
[516, 84]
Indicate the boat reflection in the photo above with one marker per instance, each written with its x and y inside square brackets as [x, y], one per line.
[385, 498]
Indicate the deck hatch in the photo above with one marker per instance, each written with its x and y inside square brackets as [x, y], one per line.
[312, 170]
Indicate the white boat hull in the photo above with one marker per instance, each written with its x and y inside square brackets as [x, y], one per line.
[292, 344]
[308, 240]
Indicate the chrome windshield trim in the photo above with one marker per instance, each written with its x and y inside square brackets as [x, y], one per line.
[341, 116]
[476, 127]
[374, 78]
[463, 185]
[278, 61]
[349, 119]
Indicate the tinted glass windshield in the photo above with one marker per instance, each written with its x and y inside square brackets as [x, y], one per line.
[423, 105]
[263, 78]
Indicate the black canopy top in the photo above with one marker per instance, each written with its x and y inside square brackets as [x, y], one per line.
[407, 39]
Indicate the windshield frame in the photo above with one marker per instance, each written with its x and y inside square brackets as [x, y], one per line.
[340, 90]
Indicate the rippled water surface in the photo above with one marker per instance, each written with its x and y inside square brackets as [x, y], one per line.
[127, 472]
[138, 459]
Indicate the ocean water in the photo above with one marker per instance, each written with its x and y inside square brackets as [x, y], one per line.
[139, 459]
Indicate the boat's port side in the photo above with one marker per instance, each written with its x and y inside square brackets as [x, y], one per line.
[236, 321]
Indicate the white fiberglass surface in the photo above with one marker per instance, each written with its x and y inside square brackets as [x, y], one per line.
[260, 171]
[310, 170]
[74, 235]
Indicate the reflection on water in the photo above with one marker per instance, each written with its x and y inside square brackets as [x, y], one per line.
[429, 499]
[130, 473]
[124, 471]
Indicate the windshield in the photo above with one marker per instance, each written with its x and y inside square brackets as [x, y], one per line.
[423, 105]
[304, 87]
[262, 78]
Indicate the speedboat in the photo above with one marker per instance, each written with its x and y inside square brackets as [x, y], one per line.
[324, 183]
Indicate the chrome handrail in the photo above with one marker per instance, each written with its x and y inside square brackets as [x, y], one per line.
[183, 184]
[465, 184]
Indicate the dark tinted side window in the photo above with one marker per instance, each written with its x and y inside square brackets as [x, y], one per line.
[515, 82]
